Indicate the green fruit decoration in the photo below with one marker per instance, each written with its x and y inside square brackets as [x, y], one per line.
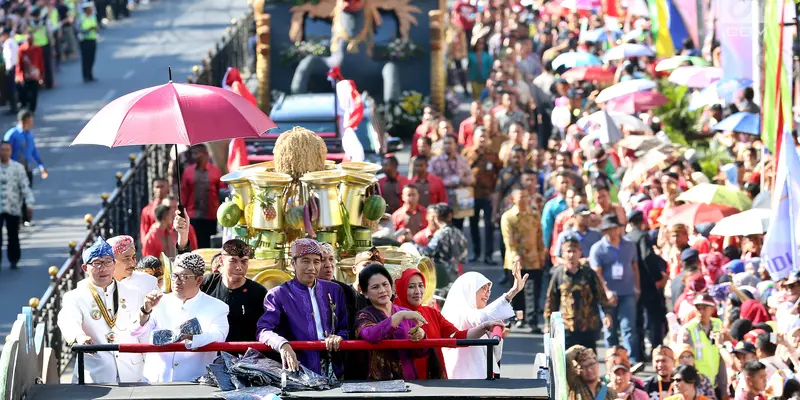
[374, 208]
[228, 214]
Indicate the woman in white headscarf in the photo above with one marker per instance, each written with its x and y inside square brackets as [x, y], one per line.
[467, 306]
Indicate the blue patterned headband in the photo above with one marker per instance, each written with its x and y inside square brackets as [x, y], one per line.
[100, 248]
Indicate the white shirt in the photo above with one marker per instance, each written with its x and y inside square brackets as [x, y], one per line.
[170, 313]
[80, 315]
[317, 319]
[10, 53]
[143, 282]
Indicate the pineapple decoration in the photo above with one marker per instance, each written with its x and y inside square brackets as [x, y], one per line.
[267, 200]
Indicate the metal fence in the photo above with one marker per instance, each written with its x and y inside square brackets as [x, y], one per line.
[121, 209]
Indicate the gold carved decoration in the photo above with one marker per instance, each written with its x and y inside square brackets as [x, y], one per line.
[263, 54]
[324, 9]
[332, 9]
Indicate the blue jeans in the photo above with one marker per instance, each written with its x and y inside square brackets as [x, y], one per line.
[624, 319]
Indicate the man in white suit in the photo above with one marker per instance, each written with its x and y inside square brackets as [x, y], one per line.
[169, 311]
[101, 311]
[124, 273]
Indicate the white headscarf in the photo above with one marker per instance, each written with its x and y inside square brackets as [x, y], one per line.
[461, 310]
[462, 299]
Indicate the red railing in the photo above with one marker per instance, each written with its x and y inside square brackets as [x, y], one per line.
[346, 345]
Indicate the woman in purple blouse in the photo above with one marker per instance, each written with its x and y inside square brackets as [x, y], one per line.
[384, 320]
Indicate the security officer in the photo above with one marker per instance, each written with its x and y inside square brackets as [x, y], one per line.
[87, 33]
[41, 39]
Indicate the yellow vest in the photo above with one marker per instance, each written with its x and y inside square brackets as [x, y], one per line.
[706, 355]
[89, 27]
[54, 20]
[40, 37]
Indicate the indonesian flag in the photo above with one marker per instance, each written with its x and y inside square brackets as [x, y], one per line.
[237, 150]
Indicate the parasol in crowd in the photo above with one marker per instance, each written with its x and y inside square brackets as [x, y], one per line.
[627, 50]
[623, 88]
[721, 91]
[174, 113]
[668, 64]
[641, 142]
[751, 222]
[641, 168]
[716, 194]
[695, 214]
[591, 73]
[598, 119]
[637, 102]
[695, 76]
[575, 59]
[742, 122]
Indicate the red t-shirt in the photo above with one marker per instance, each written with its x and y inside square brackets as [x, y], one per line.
[465, 14]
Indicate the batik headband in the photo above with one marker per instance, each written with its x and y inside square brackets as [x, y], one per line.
[304, 247]
[100, 248]
[121, 243]
[191, 262]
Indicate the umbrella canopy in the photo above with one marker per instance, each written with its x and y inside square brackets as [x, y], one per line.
[576, 5]
[668, 64]
[623, 88]
[627, 50]
[743, 122]
[722, 90]
[695, 214]
[598, 119]
[640, 142]
[642, 167]
[751, 222]
[637, 102]
[695, 77]
[575, 59]
[175, 113]
[590, 74]
[716, 194]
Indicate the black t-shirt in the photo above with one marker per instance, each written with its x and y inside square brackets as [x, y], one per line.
[246, 305]
[63, 12]
[652, 389]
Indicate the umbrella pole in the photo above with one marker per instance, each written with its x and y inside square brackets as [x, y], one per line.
[178, 169]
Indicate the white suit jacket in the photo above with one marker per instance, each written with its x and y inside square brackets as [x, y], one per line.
[170, 313]
[75, 318]
[143, 282]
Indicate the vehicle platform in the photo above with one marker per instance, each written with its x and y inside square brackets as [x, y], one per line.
[456, 388]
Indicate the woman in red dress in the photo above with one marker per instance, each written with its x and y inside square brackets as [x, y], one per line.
[410, 289]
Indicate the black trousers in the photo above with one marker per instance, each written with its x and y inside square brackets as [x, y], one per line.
[47, 54]
[25, 218]
[100, 9]
[652, 321]
[484, 205]
[586, 339]
[88, 51]
[29, 94]
[12, 227]
[530, 301]
[205, 228]
[11, 89]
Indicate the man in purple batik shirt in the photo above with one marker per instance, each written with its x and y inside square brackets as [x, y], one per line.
[287, 309]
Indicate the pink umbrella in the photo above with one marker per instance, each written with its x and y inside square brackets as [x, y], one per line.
[695, 76]
[575, 5]
[637, 102]
[175, 113]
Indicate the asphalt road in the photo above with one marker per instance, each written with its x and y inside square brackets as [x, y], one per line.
[132, 54]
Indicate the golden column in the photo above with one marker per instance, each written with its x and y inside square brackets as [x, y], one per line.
[262, 55]
[438, 73]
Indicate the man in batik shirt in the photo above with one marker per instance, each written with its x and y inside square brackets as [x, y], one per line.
[576, 292]
[447, 248]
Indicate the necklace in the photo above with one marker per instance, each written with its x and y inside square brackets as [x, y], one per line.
[111, 322]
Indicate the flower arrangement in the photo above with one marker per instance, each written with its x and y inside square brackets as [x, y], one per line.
[299, 50]
[398, 50]
[402, 116]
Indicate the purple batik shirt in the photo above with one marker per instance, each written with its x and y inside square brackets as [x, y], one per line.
[289, 316]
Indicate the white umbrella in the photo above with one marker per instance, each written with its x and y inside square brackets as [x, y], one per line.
[623, 88]
[695, 76]
[754, 221]
[627, 50]
[598, 120]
